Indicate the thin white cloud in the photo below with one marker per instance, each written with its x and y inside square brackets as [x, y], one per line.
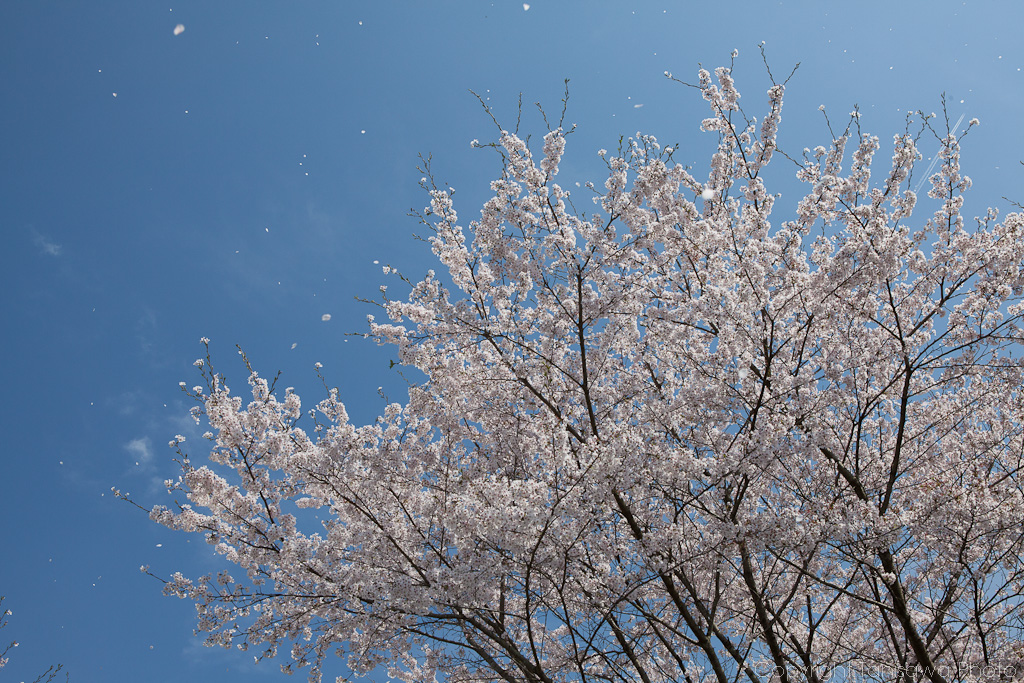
[141, 450]
[45, 244]
[146, 331]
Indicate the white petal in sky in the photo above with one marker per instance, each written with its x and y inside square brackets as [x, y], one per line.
[525, 7]
[179, 29]
[295, 344]
[325, 317]
[707, 194]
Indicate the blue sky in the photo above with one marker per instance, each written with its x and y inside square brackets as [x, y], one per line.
[246, 177]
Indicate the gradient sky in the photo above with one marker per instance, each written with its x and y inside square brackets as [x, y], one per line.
[250, 175]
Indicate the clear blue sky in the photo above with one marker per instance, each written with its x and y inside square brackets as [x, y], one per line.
[251, 172]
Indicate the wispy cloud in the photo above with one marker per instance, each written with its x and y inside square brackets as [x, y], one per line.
[145, 331]
[141, 449]
[145, 466]
[45, 244]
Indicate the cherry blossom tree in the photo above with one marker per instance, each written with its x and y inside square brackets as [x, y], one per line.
[47, 676]
[671, 440]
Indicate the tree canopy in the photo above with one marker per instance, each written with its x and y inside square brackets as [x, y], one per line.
[668, 440]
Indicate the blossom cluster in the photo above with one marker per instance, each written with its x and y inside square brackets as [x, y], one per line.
[674, 440]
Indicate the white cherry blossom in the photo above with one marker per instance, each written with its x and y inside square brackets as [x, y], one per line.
[669, 441]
